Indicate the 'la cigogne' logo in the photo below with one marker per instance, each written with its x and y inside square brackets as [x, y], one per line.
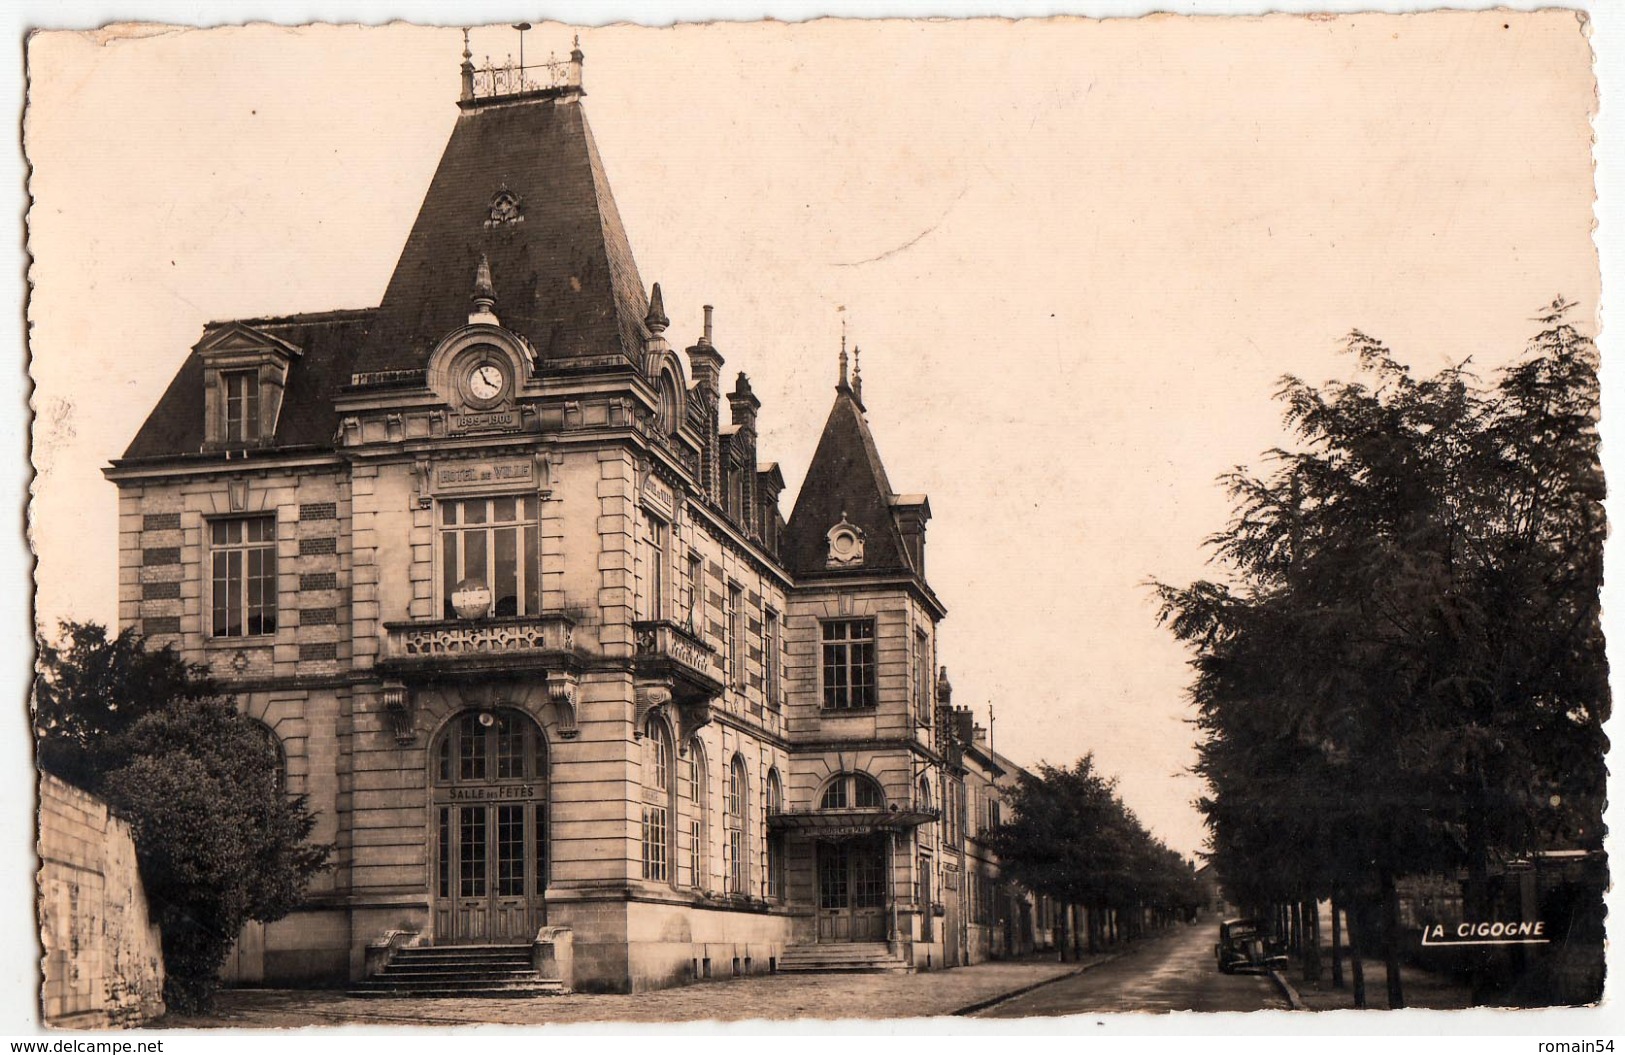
[1496, 932]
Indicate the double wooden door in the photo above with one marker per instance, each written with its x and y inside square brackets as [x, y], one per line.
[852, 890]
[490, 830]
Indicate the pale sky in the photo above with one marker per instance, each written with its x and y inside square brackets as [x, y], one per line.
[1077, 256]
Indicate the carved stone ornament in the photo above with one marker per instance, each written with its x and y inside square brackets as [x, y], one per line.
[845, 545]
[647, 696]
[397, 707]
[506, 209]
[561, 689]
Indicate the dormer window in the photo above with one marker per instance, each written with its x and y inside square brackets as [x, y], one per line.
[244, 373]
[242, 406]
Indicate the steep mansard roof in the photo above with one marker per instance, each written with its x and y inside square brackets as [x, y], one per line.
[846, 479]
[560, 262]
[562, 270]
[327, 341]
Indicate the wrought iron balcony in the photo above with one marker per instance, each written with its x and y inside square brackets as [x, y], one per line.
[454, 645]
[667, 649]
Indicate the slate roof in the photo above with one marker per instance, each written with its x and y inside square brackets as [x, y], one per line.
[328, 341]
[846, 477]
[564, 275]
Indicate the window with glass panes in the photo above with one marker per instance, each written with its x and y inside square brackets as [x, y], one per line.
[738, 871]
[696, 570]
[492, 541]
[922, 677]
[775, 840]
[852, 791]
[694, 790]
[770, 656]
[849, 664]
[657, 787]
[657, 568]
[736, 632]
[242, 560]
[242, 406]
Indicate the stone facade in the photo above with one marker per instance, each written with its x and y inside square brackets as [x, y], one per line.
[103, 963]
[511, 587]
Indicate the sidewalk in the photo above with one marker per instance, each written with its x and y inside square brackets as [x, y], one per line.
[776, 996]
[1422, 989]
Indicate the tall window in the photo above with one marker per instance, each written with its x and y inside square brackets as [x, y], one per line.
[696, 589]
[738, 870]
[242, 405]
[657, 568]
[242, 555]
[775, 840]
[922, 677]
[694, 788]
[849, 664]
[736, 631]
[493, 542]
[657, 787]
[923, 803]
[770, 656]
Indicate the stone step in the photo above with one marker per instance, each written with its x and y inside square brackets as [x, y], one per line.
[459, 971]
[854, 957]
[472, 961]
[540, 987]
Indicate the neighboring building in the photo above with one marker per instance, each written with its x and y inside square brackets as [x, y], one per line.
[507, 579]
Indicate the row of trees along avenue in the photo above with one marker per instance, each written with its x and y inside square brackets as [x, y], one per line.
[1401, 671]
[1071, 837]
[218, 839]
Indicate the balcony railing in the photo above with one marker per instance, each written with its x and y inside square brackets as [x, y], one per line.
[492, 81]
[425, 643]
[664, 647]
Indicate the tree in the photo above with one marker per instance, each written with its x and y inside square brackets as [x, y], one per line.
[1404, 671]
[1069, 836]
[218, 841]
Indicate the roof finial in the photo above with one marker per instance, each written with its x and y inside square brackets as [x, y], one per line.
[656, 319]
[467, 68]
[841, 386]
[857, 375]
[484, 295]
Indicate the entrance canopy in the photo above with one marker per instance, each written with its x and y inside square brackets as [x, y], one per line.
[849, 824]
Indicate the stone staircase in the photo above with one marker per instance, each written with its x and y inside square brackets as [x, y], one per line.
[871, 957]
[459, 971]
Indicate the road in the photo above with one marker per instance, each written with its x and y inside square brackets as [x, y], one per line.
[1171, 972]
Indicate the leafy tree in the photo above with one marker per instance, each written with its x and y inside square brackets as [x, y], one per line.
[218, 841]
[1069, 836]
[1404, 671]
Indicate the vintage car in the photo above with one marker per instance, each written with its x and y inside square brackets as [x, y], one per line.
[1243, 946]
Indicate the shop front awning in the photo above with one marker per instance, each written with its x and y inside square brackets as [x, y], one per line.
[849, 824]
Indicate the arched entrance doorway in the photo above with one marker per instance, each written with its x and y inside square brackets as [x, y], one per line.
[488, 772]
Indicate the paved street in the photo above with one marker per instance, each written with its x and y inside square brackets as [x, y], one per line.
[778, 996]
[1171, 972]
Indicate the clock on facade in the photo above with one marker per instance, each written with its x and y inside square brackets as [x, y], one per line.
[484, 382]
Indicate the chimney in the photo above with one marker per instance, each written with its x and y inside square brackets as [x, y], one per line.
[743, 405]
[705, 363]
[912, 511]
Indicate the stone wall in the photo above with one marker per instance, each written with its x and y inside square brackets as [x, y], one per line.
[103, 962]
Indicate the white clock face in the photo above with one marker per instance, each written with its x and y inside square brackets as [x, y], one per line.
[844, 543]
[485, 382]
